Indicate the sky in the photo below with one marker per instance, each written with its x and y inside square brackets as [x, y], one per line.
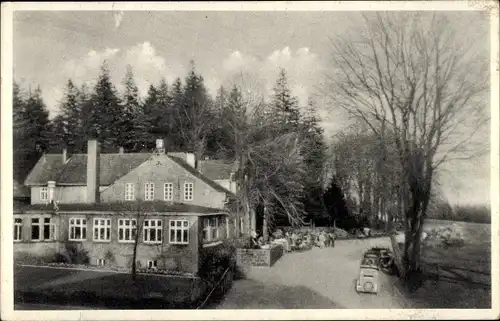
[52, 46]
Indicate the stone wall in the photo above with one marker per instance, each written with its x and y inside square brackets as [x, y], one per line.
[259, 257]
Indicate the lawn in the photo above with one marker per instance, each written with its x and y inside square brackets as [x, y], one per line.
[107, 289]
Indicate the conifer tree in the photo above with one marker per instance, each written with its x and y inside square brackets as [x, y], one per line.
[107, 115]
[130, 112]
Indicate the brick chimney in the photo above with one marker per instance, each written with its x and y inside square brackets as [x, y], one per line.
[93, 171]
[121, 150]
[191, 159]
[64, 155]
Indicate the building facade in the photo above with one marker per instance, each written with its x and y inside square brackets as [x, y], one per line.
[105, 203]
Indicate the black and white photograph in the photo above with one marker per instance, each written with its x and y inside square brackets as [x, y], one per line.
[246, 158]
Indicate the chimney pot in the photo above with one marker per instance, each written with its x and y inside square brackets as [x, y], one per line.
[64, 155]
[93, 171]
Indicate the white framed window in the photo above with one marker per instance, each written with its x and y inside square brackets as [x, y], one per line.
[188, 191]
[149, 191]
[126, 230]
[210, 229]
[129, 192]
[168, 191]
[152, 231]
[44, 193]
[102, 229]
[77, 229]
[49, 229]
[18, 229]
[179, 232]
[152, 264]
[36, 229]
[101, 262]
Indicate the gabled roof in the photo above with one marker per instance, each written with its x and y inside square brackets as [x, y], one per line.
[216, 169]
[113, 166]
[20, 191]
[153, 206]
[48, 168]
[199, 175]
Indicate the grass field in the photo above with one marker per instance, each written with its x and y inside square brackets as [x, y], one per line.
[77, 287]
[474, 255]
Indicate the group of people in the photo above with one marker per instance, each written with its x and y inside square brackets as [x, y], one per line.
[307, 240]
[296, 240]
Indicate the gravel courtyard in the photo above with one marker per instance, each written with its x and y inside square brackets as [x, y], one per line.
[319, 278]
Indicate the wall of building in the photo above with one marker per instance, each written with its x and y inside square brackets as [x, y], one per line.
[169, 256]
[227, 184]
[160, 170]
[63, 194]
[37, 248]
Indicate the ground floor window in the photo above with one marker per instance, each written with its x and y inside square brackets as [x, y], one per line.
[210, 229]
[152, 231]
[179, 231]
[36, 229]
[102, 229]
[126, 230]
[18, 229]
[77, 229]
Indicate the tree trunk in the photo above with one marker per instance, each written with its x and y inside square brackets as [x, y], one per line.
[265, 229]
[134, 259]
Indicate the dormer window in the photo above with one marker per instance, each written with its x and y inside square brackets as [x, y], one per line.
[44, 194]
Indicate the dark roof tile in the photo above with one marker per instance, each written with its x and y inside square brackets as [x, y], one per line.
[216, 169]
[113, 166]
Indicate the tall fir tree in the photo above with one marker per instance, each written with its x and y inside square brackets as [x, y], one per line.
[32, 130]
[67, 125]
[284, 105]
[314, 153]
[106, 115]
[195, 114]
[130, 112]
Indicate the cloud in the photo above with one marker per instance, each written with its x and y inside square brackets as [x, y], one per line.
[118, 18]
[147, 65]
[302, 67]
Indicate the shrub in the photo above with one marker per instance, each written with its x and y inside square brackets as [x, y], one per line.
[215, 260]
[76, 254]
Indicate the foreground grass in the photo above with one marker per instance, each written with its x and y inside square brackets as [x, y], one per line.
[475, 255]
[115, 290]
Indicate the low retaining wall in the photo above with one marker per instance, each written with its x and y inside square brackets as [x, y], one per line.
[259, 257]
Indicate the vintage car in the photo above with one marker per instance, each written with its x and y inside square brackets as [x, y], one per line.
[369, 273]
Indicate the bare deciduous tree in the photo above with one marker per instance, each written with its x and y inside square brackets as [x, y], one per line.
[412, 75]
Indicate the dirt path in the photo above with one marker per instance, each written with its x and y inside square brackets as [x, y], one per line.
[319, 278]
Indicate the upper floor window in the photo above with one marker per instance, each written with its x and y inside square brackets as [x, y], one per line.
[152, 231]
[44, 193]
[149, 190]
[77, 229]
[179, 232]
[102, 229]
[210, 229]
[129, 191]
[168, 191]
[126, 230]
[18, 229]
[188, 191]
